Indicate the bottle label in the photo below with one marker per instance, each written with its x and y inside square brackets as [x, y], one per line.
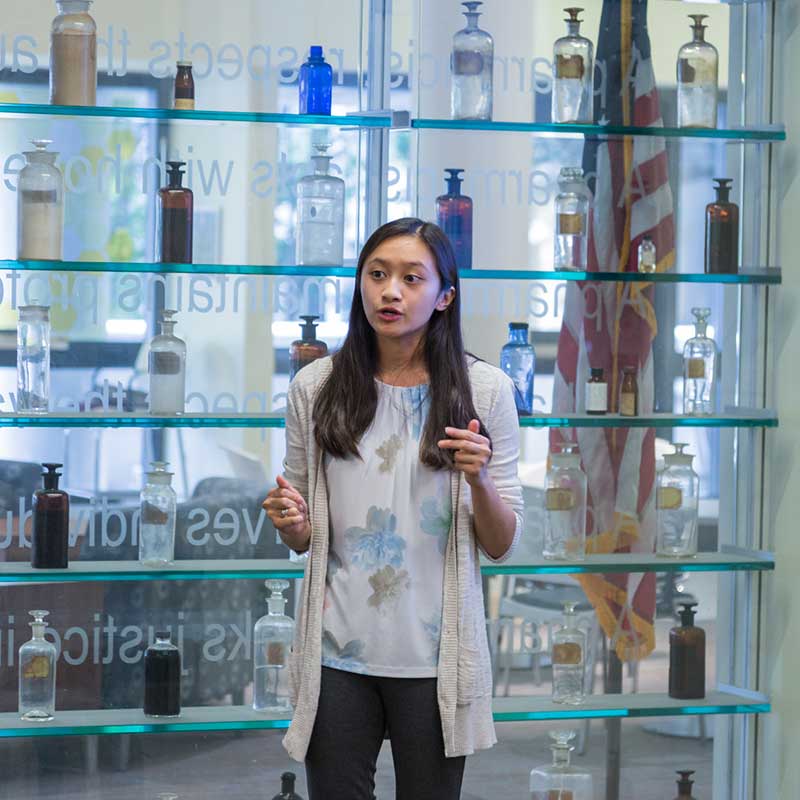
[570, 224]
[669, 497]
[570, 67]
[559, 499]
[597, 397]
[686, 72]
[567, 653]
[467, 63]
[184, 104]
[696, 368]
[164, 363]
[627, 404]
[40, 196]
[37, 667]
[276, 654]
[153, 515]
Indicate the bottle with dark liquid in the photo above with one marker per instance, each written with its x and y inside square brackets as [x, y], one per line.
[162, 678]
[309, 348]
[287, 788]
[184, 87]
[687, 658]
[596, 392]
[685, 785]
[176, 207]
[50, 538]
[722, 231]
[454, 217]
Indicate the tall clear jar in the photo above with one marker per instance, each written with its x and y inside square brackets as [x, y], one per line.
[40, 205]
[158, 511]
[699, 360]
[166, 368]
[272, 643]
[320, 214]
[573, 74]
[472, 67]
[560, 780]
[37, 674]
[73, 55]
[677, 502]
[565, 506]
[569, 660]
[698, 66]
[33, 359]
[573, 202]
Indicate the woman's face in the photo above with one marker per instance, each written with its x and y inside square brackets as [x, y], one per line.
[401, 288]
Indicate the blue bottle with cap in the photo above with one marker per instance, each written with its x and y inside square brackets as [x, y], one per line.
[454, 217]
[316, 83]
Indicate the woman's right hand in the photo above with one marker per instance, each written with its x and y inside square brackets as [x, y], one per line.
[288, 511]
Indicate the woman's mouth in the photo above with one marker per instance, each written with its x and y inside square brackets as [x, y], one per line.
[389, 314]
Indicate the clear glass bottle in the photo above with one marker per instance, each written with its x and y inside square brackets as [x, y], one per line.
[454, 217]
[158, 509]
[572, 204]
[309, 348]
[175, 218]
[37, 674]
[685, 783]
[33, 359]
[677, 500]
[316, 83]
[560, 780]
[166, 368]
[320, 214]
[629, 393]
[40, 205]
[287, 788]
[687, 657]
[569, 659]
[50, 535]
[73, 55]
[573, 74]
[698, 65]
[184, 86]
[722, 231]
[162, 678]
[272, 643]
[699, 360]
[471, 69]
[565, 492]
[647, 255]
[518, 361]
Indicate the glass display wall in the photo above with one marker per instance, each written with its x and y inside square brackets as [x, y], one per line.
[251, 148]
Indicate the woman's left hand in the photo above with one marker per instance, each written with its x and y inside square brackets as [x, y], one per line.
[471, 452]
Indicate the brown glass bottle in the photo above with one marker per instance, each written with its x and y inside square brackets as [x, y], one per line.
[184, 87]
[687, 658]
[287, 788]
[722, 231]
[629, 393]
[307, 349]
[685, 785]
[50, 537]
[596, 392]
[176, 207]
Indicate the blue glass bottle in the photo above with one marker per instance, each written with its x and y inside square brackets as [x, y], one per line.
[454, 217]
[316, 84]
[518, 361]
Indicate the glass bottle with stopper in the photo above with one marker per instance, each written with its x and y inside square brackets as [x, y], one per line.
[572, 206]
[309, 348]
[699, 361]
[569, 660]
[166, 368]
[471, 67]
[518, 361]
[677, 502]
[573, 57]
[454, 217]
[158, 512]
[272, 643]
[287, 788]
[40, 205]
[560, 780]
[50, 536]
[687, 657]
[73, 55]
[37, 673]
[565, 506]
[647, 255]
[722, 231]
[685, 784]
[698, 66]
[176, 217]
[33, 359]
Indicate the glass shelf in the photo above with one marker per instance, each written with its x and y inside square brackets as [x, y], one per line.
[348, 120]
[751, 276]
[744, 418]
[768, 133]
[506, 709]
[262, 569]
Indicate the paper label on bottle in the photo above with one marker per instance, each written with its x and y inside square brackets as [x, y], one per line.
[567, 653]
[627, 404]
[686, 72]
[669, 497]
[184, 104]
[37, 668]
[597, 397]
[570, 67]
[153, 515]
[696, 368]
[553, 794]
[276, 654]
[164, 363]
[559, 499]
[570, 224]
[467, 63]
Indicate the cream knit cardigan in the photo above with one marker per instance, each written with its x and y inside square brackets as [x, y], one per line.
[464, 678]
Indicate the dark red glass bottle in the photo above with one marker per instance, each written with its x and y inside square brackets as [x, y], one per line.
[722, 231]
[176, 209]
[454, 217]
[50, 537]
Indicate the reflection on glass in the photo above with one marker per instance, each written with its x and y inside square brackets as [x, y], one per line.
[572, 73]
[677, 500]
[472, 67]
[697, 79]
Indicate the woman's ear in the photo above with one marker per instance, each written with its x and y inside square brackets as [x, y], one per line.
[445, 298]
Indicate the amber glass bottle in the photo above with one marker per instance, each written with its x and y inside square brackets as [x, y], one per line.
[184, 87]
[50, 538]
[685, 785]
[176, 206]
[722, 231]
[309, 348]
[687, 657]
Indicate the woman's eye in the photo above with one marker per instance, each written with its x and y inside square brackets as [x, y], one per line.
[376, 273]
[413, 278]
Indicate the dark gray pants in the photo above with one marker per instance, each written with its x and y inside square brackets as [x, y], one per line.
[354, 713]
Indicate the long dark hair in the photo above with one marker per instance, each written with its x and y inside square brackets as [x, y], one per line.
[347, 401]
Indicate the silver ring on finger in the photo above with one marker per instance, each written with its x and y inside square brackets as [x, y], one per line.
[284, 512]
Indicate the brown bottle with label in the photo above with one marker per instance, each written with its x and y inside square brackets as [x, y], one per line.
[176, 210]
[685, 785]
[309, 348]
[184, 87]
[629, 393]
[596, 392]
[687, 657]
[722, 231]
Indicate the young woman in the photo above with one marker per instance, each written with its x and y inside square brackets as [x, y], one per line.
[401, 465]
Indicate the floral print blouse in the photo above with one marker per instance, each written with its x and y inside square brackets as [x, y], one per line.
[390, 518]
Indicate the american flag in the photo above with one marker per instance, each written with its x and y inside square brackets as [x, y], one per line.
[612, 325]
